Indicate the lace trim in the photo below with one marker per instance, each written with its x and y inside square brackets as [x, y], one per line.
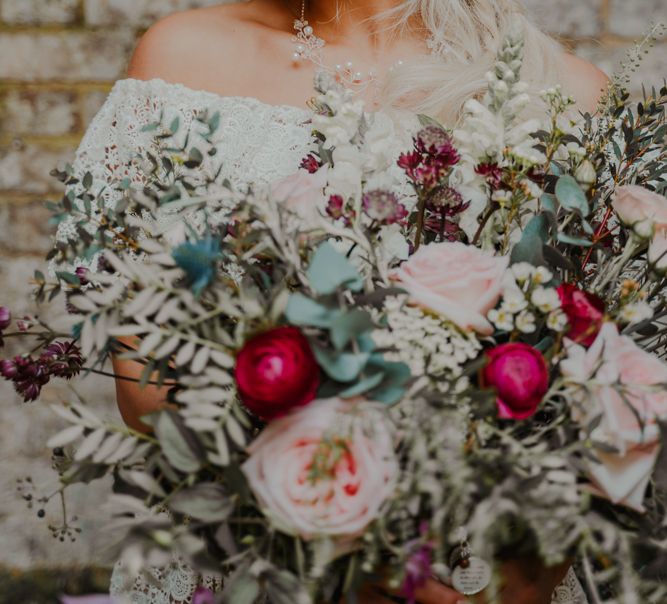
[176, 585]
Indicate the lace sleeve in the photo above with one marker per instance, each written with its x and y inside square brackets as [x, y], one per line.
[257, 143]
[113, 144]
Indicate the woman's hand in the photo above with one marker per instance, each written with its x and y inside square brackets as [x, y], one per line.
[433, 592]
[528, 581]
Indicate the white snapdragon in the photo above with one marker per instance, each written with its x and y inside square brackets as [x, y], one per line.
[514, 300]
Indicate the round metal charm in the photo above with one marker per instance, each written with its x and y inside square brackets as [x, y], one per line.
[472, 577]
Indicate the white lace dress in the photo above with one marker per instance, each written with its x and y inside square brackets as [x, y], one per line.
[257, 143]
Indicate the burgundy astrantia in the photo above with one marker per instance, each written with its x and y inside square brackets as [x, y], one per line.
[383, 207]
[30, 375]
[433, 157]
[492, 172]
[336, 209]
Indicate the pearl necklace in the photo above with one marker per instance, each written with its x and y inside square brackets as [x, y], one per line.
[308, 46]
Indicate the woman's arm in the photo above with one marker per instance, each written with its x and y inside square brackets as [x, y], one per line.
[133, 401]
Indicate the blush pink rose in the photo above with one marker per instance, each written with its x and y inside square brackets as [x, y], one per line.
[457, 281]
[657, 251]
[618, 374]
[641, 209]
[324, 470]
[303, 193]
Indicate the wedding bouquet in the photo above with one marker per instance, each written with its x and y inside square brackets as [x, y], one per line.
[388, 366]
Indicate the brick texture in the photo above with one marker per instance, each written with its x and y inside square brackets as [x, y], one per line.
[58, 59]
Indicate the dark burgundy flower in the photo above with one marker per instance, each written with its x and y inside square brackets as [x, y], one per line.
[5, 318]
[383, 206]
[584, 311]
[310, 163]
[520, 376]
[492, 173]
[63, 359]
[436, 141]
[8, 369]
[276, 371]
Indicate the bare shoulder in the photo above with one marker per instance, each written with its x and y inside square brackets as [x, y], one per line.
[583, 80]
[198, 47]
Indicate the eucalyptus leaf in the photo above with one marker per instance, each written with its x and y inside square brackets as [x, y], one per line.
[529, 247]
[346, 326]
[330, 270]
[343, 367]
[305, 311]
[241, 588]
[571, 195]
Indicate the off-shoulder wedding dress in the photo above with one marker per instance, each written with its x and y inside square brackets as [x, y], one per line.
[258, 144]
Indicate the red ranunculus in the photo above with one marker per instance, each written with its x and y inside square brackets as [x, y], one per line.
[520, 376]
[277, 371]
[584, 311]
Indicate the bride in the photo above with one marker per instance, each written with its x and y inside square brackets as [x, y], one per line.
[247, 62]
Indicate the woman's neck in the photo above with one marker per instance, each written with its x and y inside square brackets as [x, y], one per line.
[341, 21]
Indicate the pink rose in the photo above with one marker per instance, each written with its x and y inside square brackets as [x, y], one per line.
[616, 374]
[641, 209]
[324, 470]
[520, 376]
[303, 193]
[457, 281]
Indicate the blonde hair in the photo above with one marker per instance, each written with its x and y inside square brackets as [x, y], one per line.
[467, 35]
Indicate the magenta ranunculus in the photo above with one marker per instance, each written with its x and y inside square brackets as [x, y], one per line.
[520, 376]
[276, 371]
[584, 311]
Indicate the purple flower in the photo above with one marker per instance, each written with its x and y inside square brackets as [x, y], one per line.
[383, 206]
[5, 318]
[418, 566]
[8, 369]
[63, 359]
[203, 595]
